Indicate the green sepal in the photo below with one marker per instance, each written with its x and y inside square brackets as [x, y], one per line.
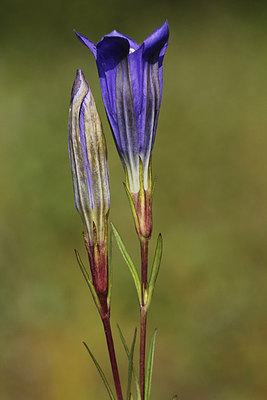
[130, 367]
[135, 216]
[141, 178]
[129, 262]
[88, 280]
[151, 184]
[138, 391]
[149, 365]
[110, 271]
[154, 270]
[101, 373]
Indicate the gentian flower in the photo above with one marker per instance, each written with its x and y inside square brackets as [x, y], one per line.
[88, 160]
[131, 84]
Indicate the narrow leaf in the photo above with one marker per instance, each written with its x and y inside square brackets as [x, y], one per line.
[134, 371]
[129, 262]
[101, 373]
[155, 269]
[130, 368]
[149, 365]
[88, 280]
[110, 271]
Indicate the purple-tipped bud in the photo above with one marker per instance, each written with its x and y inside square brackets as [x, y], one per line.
[88, 160]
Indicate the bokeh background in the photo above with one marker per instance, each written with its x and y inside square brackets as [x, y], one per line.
[210, 202]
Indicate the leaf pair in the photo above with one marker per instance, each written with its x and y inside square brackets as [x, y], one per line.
[88, 278]
[153, 277]
[154, 271]
[131, 369]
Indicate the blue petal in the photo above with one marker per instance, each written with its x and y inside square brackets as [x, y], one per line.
[110, 52]
[136, 68]
[131, 84]
[132, 43]
[155, 46]
[126, 116]
[91, 46]
[156, 42]
[146, 78]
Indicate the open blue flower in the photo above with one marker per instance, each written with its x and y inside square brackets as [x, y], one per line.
[131, 83]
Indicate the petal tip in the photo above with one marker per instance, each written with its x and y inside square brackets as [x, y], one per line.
[79, 83]
[91, 46]
[157, 41]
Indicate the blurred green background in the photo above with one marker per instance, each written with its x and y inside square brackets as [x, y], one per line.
[210, 202]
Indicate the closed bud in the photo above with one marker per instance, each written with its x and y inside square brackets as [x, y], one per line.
[88, 160]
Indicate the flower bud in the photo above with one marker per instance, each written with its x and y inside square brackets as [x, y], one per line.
[88, 160]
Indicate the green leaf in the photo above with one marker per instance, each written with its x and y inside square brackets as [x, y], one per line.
[130, 368]
[134, 371]
[88, 280]
[110, 271]
[149, 365]
[129, 262]
[154, 270]
[175, 397]
[101, 373]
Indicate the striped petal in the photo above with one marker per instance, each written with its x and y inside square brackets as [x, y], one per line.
[131, 85]
[87, 150]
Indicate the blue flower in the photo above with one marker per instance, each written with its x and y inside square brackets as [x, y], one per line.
[88, 161]
[131, 84]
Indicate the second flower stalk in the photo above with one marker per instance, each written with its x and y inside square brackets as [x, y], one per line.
[88, 160]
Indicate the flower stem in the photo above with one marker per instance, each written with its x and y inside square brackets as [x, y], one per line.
[143, 315]
[112, 356]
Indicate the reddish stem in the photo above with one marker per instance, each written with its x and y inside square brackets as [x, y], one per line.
[143, 315]
[112, 356]
[143, 320]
